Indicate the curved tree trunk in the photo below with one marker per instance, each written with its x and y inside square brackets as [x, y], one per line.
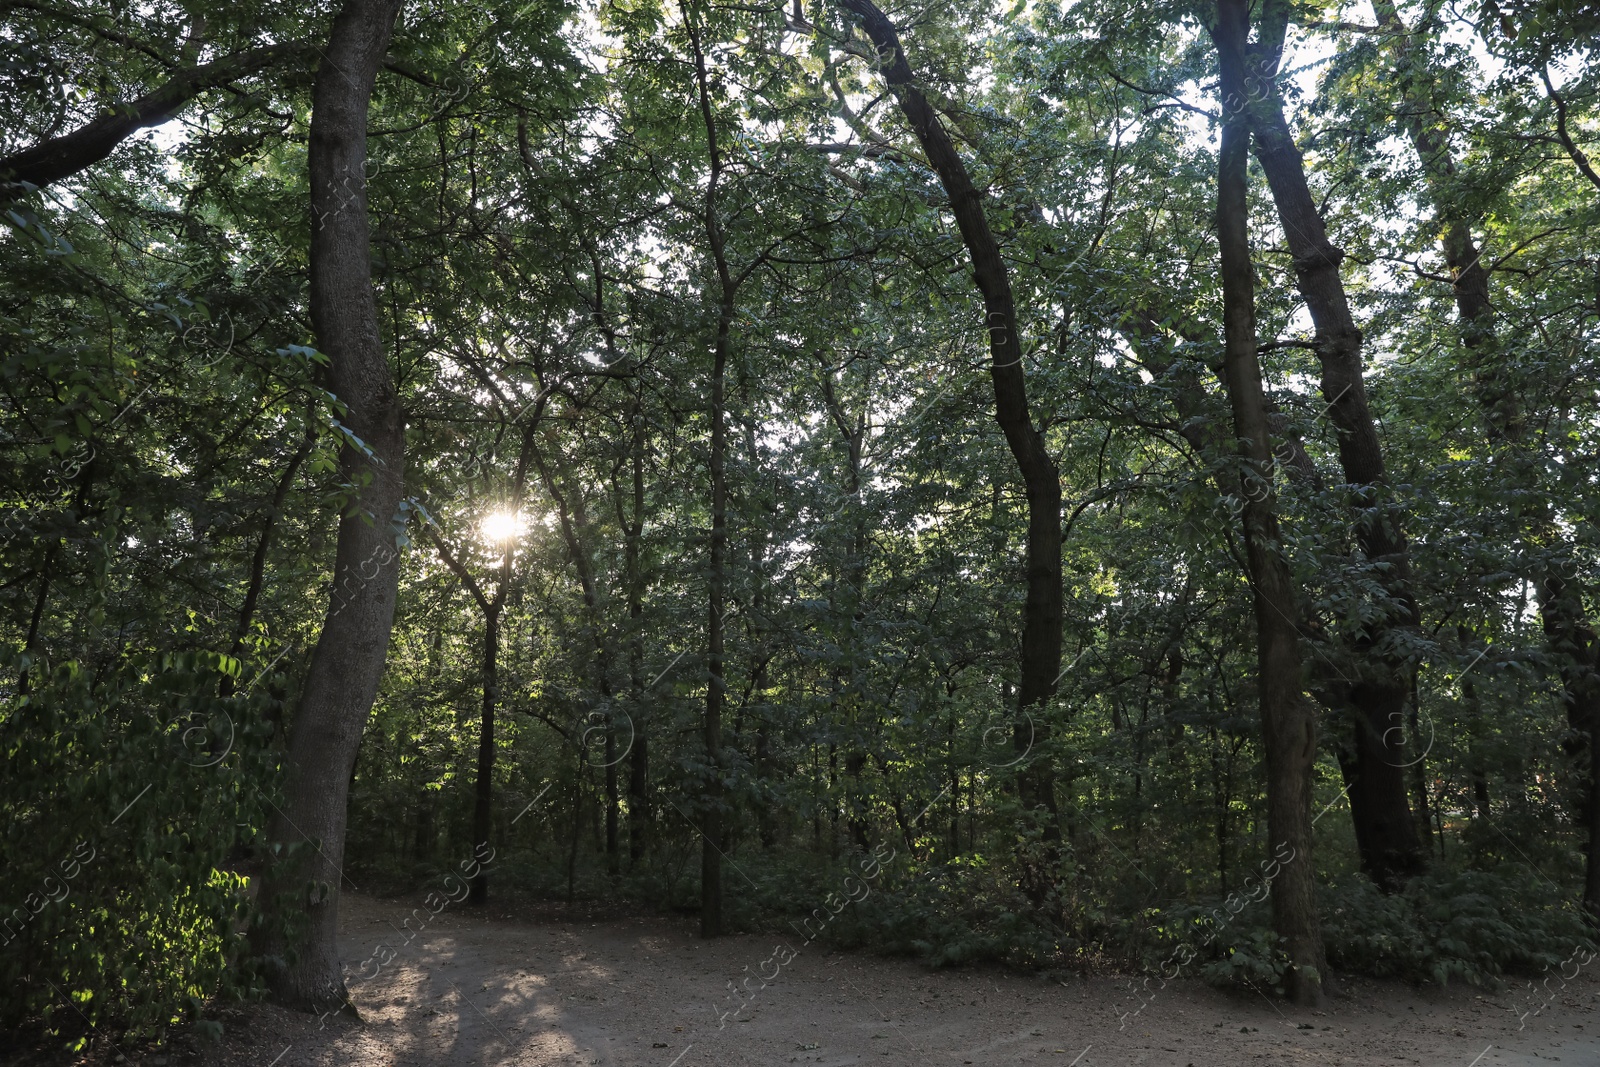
[1042, 609]
[348, 662]
[1288, 724]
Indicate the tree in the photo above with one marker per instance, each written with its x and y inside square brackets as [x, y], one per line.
[1373, 765]
[1573, 642]
[307, 837]
[1288, 726]
[1040, 660]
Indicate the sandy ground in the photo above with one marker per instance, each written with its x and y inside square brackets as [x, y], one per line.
[487, 989]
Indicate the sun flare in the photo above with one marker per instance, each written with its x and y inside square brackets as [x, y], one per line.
[499, 527]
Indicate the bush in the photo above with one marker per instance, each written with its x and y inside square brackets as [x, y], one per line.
[1475, 926]
[1471, 926]
[120, 804]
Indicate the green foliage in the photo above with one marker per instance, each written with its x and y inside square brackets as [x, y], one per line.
[548, 294]
[1471, 926]
[123, 802]
[1479, 927]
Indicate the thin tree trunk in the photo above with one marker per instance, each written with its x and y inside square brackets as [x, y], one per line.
[572, 521]
[483, 788]
[613, 802]
[1476, 768]
[258, 561]
[847, 683]
[578, 808]
[492, 608]
[1386, 835]
[766, 829]
[639, 755]
[1221, 798]
[1419, 745]
[1288, 724]
[348, 662]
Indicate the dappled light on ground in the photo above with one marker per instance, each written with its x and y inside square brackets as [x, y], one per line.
[484, 989]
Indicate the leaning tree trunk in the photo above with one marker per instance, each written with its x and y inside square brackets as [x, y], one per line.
[1042, 608]
[1287, 722]
[1386, 835]
[349, 658]
[1567, 629]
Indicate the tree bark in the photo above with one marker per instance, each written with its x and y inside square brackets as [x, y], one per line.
[1040, 666]
[1288, 724]
[348, 662]
[1386, 835]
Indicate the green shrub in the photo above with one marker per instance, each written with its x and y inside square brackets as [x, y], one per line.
[120, 804]
[1472, 926]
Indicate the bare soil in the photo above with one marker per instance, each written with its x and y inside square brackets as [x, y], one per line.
[490, 989]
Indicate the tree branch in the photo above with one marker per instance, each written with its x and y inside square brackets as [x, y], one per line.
[61, 157]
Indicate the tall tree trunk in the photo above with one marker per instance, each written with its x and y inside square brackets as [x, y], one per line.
[766, 828]
[348, 662]
[639, 755]
[711, 922]
[1287, 722]
[572, 520]
[1568, 631]
[1386, 835]
[1040, 666]
[716, 602]
[492, 608]
[1577, 650]
[852, 583]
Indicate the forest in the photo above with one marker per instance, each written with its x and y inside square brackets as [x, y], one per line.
[1077, 487]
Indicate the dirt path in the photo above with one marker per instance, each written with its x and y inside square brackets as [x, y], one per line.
[487, 990]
